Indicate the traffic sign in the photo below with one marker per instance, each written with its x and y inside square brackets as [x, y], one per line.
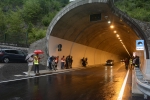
[139, 44]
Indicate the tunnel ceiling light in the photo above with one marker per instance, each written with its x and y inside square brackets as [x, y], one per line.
[124, 47]
[112, 26]
[122, 43]
[117, 35]
[109, 22]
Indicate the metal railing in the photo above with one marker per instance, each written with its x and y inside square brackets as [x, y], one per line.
[14, 44]
[142, 83]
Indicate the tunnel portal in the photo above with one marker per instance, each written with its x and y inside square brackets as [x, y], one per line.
[91, 28]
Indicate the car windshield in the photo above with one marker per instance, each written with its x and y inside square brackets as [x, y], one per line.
[109, 60]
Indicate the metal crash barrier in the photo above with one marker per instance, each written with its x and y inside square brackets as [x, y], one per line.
[142, 83]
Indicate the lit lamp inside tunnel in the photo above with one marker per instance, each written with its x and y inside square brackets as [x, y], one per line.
[112, 26]
[109, 22]
[117, 35]
[115, 32]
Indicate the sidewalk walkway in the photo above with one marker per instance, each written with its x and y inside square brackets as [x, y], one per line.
[18, 71]
[43, 72]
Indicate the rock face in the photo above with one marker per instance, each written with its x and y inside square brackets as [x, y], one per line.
[40, 44]
[145, 26]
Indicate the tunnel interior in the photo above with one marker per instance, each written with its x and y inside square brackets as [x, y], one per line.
[76, 26]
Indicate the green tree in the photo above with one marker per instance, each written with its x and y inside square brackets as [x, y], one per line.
[2, 22]
[138, 9]
[2, 26]
[15, 27]
[36, 34]
[47, 18]
[31, 11]
[21, 17]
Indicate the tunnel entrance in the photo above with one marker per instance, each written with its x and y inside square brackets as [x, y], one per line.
[92, 29]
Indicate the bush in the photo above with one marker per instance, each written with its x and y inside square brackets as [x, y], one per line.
[138, 9]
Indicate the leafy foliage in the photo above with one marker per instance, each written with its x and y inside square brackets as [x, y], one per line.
[138, 9]
[22, 18]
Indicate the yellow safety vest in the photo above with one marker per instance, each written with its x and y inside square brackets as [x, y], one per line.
[130, 61]
[36, 62]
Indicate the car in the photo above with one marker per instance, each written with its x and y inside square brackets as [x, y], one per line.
[12, 55]
[110, 62]
[122, 60]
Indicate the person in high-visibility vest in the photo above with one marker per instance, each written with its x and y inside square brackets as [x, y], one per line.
[36, 64]
[131, 62]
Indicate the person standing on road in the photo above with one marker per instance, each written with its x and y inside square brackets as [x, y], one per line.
[71, 58]
[56, 61]
[126, 63]
[50, 59]
[137, 62]
[30, 64]
[131, 62]
[36, 64]
[83, 62]
[62, 62]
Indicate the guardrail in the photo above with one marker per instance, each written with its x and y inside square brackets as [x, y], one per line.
[142, 84]
[14, 44]
[13, 47]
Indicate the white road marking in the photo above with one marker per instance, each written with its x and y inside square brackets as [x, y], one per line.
[19, 75]
[123, 87]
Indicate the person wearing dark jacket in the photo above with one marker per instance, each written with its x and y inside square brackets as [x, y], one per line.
[50, 59]
[137, 62]
[126, 63]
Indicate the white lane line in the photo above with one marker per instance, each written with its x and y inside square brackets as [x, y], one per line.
[123, 87]
[18, 75]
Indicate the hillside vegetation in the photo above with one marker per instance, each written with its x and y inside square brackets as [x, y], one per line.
[138, 9]
[22, 20]
[26, 21]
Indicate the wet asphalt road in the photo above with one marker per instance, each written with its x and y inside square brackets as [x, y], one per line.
[7, 71]
[96, 83]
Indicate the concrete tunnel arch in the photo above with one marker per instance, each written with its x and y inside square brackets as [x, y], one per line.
[80, 37]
